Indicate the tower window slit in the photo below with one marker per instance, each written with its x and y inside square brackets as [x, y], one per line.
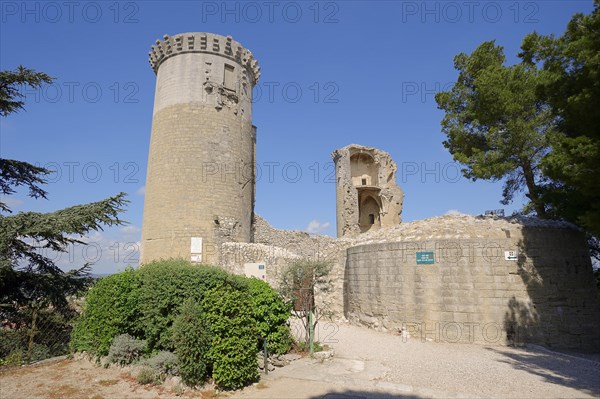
[228, 77]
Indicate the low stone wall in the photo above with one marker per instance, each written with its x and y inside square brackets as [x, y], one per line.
[471, 293]
[314, 247]
[234, 255]
[277, 248]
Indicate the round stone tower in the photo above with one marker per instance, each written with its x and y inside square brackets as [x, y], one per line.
[200, 182]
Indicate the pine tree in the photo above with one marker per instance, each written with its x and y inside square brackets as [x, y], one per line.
[29, 280]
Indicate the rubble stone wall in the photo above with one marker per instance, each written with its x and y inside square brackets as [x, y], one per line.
[367, 196]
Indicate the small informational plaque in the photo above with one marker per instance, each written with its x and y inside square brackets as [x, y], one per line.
[511, 255]
[196, 249]
[258, 270]
[425, 258]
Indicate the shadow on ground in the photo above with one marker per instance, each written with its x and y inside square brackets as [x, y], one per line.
[556, 368]
[353, 394]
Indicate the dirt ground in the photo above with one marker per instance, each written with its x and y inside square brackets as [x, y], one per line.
[366, 365]
[79, 378]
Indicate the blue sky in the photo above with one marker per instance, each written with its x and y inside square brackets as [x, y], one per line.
[333, 73]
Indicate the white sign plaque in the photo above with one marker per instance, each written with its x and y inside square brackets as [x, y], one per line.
[511, 255]
[258, 270]
[196, 247]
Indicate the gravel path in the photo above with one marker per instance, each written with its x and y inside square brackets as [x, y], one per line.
[371, 364]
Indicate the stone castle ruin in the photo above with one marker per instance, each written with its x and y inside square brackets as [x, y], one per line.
[458, 278]
[367, 197]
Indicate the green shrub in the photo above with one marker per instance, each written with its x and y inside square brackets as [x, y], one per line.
[12, 341]
[12, 359]
[233, 329]
[192, 343]
[111, 308]
[304, 347]
[148, 375]
[166, 285]
[164, 363]
[212, 320]
[125, 350]
[53, 331]
[271, 314]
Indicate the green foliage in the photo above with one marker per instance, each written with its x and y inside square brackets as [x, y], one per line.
[43, 334]
[25, 234]
[572, 62]
[534, 124]
[12, 341]
[125, 350]
[495, 123]
[271, 314]
[12, 81]
[148, 375]
[166, 285]
[164, 363]
[31, 283]
[211, 320]
[298, 283]
[304, 275]
[13, 359]
[16, 173]
[303, 347]
[280, 339]
[233, 349]
[112, 307]
[192, 343]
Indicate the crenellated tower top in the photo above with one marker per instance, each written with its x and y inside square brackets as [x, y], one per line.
[203, 42]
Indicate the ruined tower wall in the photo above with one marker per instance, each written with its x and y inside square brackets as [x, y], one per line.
[200, 178]
[367, 196]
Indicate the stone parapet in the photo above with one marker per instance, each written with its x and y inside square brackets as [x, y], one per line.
[203, 42]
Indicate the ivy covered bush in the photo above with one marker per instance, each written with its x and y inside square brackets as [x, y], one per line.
[212, 321]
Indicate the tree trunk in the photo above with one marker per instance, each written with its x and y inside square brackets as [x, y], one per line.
[32, 333]
[532, 190]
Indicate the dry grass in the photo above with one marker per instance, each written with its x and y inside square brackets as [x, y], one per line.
[64, 391]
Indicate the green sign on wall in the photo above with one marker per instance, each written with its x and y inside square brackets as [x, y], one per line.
[425, 258]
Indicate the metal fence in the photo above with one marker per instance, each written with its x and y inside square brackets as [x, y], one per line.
[34, 334]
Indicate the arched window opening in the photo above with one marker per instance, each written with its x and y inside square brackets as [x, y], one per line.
[368, 213]
[364, 170]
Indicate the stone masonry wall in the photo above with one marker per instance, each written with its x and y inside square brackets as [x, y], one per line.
[471, 293]
[200, 180]
[379, 184]
[277, 248]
